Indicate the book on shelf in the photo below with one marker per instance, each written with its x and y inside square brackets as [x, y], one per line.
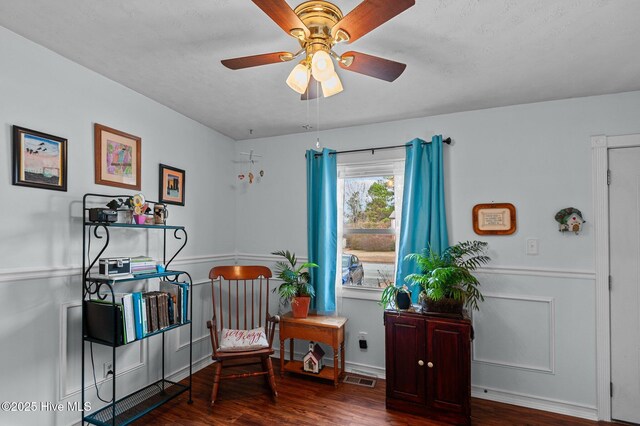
[179, 293]
[139, 313]
[142, 265]
[126, 301]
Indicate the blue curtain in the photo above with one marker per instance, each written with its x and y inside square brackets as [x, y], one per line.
[424, 222]
[322, 226]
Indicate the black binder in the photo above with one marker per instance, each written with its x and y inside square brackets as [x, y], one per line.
[99, 321]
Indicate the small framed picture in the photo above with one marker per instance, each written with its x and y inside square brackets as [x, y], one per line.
[39, 160]
[494, 219]
[171, 185]
[118, 158]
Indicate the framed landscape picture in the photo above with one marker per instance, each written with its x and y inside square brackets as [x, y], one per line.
[39, 159]
[494, 219]
[171, 185]
[118, 157]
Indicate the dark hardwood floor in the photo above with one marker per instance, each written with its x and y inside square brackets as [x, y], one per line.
[308, 401]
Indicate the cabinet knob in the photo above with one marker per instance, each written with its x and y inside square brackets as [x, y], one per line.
[421, 363]
[430, 364]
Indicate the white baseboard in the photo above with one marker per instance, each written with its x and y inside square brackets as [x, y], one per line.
[536, 402]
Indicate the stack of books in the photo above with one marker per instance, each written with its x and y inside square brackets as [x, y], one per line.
[137, 314]
[143, 265]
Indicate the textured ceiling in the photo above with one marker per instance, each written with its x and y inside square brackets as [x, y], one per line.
[461, 55]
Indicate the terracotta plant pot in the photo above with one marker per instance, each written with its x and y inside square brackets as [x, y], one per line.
[300, 306]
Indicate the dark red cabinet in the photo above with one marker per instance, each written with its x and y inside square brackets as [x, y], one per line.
[428, 365]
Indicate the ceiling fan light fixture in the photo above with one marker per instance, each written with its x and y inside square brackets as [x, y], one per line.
[331, 86]
[299, 78]
[322, 66]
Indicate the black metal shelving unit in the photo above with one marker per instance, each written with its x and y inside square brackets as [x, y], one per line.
[129, 408]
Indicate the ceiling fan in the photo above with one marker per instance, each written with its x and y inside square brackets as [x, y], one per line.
[318, 26]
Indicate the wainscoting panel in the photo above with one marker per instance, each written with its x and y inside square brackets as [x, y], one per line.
[526, 326]
[128, 358]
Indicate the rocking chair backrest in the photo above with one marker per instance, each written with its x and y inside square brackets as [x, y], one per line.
[240, 297]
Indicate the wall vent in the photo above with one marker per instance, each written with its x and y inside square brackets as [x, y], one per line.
[360, 381]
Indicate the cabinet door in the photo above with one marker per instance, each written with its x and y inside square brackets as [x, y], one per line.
[405, 348]
[448, 366]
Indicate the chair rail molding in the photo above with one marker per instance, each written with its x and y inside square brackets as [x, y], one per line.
[47, 272]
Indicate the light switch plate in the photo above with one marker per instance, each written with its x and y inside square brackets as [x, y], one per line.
[532, 247]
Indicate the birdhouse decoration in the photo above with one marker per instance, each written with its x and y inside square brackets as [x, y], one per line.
[312, 361]
[570, 219]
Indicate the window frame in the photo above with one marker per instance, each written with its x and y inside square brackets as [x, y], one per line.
[383, 167]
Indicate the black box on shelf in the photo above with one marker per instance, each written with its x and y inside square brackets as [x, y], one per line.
[114, 266]
[99, 321]
[100, 214]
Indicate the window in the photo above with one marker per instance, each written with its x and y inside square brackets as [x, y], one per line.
[369, 203]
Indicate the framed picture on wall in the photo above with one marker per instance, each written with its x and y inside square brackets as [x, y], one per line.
[171, 185]
[118, 158]
[39, 159]
[494, 219]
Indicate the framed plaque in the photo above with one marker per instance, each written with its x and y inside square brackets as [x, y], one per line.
[494, 219]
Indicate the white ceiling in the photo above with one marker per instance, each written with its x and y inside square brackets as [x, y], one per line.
[461, 55]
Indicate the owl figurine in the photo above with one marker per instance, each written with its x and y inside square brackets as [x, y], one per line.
[570, 219]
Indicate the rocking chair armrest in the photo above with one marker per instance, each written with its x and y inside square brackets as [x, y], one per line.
[213, 333]
[272, 320]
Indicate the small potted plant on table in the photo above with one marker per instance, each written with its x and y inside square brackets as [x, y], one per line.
[295, 287]
[446, 282]
[398, 298]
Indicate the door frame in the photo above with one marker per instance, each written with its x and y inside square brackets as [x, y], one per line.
[600, 146]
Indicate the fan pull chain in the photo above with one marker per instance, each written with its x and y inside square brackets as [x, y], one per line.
[317, 115]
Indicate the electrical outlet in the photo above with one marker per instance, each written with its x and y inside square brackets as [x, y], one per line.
[107, 369]
[362, 340]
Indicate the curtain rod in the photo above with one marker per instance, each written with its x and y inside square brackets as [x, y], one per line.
[373, 150]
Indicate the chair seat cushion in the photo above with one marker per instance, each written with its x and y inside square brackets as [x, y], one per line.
[243, 340]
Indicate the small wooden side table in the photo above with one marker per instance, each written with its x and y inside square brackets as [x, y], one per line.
[318, 328]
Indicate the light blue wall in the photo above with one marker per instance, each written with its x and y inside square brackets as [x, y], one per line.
[536, 156]
[41, 233]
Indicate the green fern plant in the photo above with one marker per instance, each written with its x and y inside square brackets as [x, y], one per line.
[295, 281]
[448, 274]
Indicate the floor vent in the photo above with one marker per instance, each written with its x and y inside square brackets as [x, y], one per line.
[360, 381]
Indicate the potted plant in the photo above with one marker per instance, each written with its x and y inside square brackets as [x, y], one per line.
[398, 298]
[295, 287]
[446, 282]
[123, 208]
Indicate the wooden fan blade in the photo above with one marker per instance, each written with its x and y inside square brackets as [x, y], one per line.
[257, 60]
[373, 66]
[283, 15]
[313, 90]
[369, 15]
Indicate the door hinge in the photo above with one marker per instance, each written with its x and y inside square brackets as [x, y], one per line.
[611, 389]
[609, 282]
[608, 177]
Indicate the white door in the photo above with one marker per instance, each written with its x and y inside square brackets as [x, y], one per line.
[624, 220]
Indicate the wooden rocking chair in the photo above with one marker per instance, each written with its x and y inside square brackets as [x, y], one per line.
[241, 293]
